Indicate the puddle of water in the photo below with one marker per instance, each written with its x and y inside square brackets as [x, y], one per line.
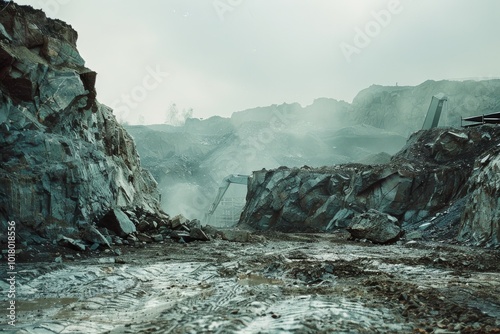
[253, 280]
[43, 304]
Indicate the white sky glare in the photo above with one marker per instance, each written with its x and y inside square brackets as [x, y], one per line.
[223, 56]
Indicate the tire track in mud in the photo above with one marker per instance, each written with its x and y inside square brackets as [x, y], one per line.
[225, 295]
[214, 307]
[313, 314]
[276, 288]
[108, 295]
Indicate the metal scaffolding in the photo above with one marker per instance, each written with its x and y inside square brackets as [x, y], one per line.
[493, 118]
[228, 212]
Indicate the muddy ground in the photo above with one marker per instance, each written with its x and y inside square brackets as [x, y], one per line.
[282, 283]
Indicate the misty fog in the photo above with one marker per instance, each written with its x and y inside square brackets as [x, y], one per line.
[191, 160]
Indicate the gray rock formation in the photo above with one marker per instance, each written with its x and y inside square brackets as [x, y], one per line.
[118, 222]
[480, 221]
[375, 226]
[425, 177]
[65, 161]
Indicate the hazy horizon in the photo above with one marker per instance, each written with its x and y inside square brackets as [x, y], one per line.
[217, 57]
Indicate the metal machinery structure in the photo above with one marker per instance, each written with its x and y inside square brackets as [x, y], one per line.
[438, 102]
[233, 178]
[493, 118]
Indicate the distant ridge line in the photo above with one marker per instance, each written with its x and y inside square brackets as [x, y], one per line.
[473, 78]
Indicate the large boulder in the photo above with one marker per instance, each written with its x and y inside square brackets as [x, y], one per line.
[118, 222]
[375, 226]
[179, 221]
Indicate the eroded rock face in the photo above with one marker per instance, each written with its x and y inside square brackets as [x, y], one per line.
[480, 221]
[423, 178]
[65, 161]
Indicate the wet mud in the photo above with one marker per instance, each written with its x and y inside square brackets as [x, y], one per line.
[286, 283]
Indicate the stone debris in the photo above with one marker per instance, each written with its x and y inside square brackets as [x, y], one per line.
[236, 235]
[181, 236]
[197, 233]
[104, 260]
[117, 221]
[179, 221]
[77, 245]
[93, 236]
[157, 237]
[144, 238]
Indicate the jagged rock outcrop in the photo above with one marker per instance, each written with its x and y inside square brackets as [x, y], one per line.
[423, 178]
[480, 223]
[65, 161]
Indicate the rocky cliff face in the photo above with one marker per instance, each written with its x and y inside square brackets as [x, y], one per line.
[481, 217]
[423, 179]
[65, 161]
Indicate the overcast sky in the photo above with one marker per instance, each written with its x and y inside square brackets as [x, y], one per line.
[222, 56]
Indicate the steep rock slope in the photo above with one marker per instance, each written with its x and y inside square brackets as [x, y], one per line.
[424, 178]
[65, 161]
[481, 217]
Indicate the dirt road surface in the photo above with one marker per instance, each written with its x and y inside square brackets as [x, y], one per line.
[283, 283]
